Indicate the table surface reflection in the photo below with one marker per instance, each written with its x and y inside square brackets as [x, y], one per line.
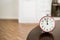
[38, 34]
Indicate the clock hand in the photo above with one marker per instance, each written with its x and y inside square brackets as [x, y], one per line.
[47, 21]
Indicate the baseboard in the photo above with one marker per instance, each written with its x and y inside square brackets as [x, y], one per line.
[9, 19]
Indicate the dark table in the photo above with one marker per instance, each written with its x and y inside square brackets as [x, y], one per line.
[38, 34]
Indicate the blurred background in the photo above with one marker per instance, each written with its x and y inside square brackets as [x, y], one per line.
[8, 9]
[19, 18]
[8, 19]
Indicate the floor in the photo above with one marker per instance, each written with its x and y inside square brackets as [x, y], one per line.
[11, 30]
[8, 30]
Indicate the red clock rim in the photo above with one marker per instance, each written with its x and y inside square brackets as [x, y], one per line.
[47, 16]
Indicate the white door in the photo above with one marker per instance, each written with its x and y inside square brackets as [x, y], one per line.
[27, 11]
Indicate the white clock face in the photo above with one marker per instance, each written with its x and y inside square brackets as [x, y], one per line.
[47, 24]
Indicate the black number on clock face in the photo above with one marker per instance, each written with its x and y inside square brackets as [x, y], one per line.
[42, 26]
[47, 29]
[44, 18]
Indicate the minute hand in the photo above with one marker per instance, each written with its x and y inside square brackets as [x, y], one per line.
[47, 21]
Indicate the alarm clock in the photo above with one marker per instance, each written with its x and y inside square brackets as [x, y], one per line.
[47, 23]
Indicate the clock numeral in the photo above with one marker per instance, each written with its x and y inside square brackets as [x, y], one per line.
[41, 23]
[44, 18]
[42, 26]
[50, 28]
[47, 29]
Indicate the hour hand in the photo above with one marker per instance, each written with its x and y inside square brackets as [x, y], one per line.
[47, 23]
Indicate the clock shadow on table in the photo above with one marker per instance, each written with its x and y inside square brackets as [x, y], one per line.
[46, 36]
[37, 34]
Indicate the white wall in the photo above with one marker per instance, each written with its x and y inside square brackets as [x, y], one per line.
[30, 11]
[8, 9]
